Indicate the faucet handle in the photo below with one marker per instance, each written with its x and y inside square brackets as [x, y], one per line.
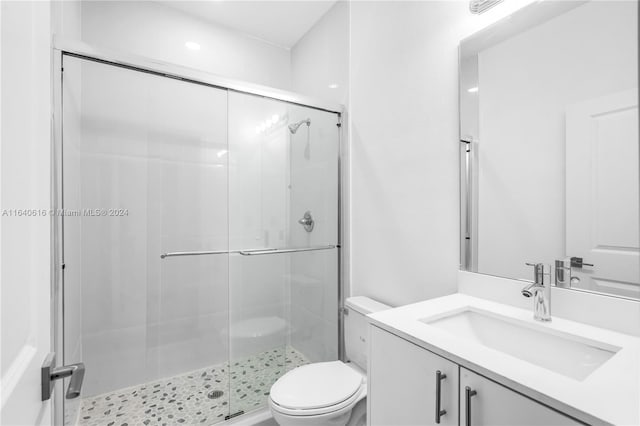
[540, 265]
[539, 271]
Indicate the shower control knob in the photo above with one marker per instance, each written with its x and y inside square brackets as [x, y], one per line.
[307, 221]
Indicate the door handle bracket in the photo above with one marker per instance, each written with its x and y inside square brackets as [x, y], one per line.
[578, 262]
[49, 374]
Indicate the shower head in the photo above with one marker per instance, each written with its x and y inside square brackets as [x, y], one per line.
[293, 128]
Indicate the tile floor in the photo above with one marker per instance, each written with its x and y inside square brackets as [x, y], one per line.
[193, 398]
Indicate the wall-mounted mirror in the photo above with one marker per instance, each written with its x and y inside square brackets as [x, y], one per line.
[549, 146]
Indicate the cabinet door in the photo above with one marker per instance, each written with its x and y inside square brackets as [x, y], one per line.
[493, 404]
[402, 383]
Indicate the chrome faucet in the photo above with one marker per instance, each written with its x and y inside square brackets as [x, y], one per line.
[540, 290]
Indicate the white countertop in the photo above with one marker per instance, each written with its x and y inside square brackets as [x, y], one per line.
[611, 394]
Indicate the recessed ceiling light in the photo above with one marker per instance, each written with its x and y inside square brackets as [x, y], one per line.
[472, 90]
[192, 45]
[333, 86]
[222, 152]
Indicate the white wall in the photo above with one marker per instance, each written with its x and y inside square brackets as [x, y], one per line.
[66, 18]
[320, 59]
[152, 30]
[25, 117]
[526, 84]
[404, 145]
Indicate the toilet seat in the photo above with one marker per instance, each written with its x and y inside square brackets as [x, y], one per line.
[318, 388]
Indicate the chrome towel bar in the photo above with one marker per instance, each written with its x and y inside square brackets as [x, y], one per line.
[192, 253]
[247, 252]
[286, 250]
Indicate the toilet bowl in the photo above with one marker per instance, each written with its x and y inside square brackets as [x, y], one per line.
[329, 393]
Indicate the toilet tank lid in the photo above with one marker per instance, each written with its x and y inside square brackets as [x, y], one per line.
[365, 305]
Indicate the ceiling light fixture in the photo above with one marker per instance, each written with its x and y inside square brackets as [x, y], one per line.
[333, 86]
[480, 6]
[472, 90]
[192, 45]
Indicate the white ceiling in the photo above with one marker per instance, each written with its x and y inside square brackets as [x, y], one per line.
[279, 22]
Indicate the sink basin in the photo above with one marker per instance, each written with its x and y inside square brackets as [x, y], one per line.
[563, 353]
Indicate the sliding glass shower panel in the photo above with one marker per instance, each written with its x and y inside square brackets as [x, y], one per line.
[314, 185]
[188, 301]
[283, 163]
[313, 167]
[142, 177]
[200, 243]
[258, 217]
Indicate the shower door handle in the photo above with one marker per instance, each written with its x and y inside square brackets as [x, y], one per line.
[49, 374]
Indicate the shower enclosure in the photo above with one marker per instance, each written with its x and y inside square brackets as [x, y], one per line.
[198, 242]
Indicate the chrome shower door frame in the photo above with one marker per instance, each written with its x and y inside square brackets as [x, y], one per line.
[62, 47]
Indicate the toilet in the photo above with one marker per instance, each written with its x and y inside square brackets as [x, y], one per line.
[329, 393]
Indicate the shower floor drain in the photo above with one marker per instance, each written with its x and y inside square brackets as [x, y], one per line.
[215, 394]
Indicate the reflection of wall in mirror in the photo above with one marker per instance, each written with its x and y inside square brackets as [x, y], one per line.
[526, 84]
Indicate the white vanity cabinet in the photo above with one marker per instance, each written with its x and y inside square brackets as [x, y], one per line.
[402, 383]
[402, 390]
[489, 403]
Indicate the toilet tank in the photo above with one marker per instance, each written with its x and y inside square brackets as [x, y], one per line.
[355, 327]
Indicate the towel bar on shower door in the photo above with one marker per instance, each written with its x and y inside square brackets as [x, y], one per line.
[247, 252]
[286, 250]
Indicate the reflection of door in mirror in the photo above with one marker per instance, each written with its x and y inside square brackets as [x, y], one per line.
[602, 193]
[554, 70]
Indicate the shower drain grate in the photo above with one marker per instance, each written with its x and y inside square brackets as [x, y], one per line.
[215, 394]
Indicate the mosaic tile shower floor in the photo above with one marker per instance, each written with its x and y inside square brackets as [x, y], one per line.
[189, 399]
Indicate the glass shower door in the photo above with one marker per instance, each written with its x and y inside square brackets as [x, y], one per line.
[313, 288]
[258, 215]
[201, 263]
[144, 175]
[187, 299]
[283, 301]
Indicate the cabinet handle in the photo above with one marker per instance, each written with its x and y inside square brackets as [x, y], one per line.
[468, 393]
[439, 378]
